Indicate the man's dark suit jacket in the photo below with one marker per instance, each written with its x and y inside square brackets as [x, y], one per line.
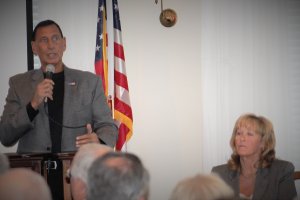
[84, 102]
[274, 183]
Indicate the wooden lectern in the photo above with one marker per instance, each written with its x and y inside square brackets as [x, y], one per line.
[39, 162]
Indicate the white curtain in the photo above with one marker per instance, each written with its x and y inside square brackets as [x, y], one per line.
[250, 63]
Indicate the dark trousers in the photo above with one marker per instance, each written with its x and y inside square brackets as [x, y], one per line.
[55, 179]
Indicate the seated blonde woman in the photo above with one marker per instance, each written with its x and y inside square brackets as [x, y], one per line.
[202, 187]
[253, 171]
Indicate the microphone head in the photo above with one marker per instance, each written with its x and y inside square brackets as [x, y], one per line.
[50, 69]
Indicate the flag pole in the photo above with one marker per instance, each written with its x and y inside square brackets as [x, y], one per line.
[110, 102]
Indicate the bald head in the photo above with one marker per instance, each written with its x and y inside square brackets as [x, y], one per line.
[118, 175]
[84, 158]
[81, 163]
[202, 186]
[23, 184]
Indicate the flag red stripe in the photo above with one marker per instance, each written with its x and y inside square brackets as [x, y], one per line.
[121, 79]
[123, 130]
[123, 108]
[100, 71]
[118, 50]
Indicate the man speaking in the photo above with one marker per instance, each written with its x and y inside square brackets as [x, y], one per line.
[55, 108]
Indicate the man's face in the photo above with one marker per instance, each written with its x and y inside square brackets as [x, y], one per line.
[49, 45]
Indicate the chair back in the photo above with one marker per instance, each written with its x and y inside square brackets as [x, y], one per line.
[296, 175]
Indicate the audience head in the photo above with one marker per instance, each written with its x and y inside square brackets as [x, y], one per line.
[202, 187]
[4, 163]
[117, 176]
[80, 165]
[260, 126]
[23, 184]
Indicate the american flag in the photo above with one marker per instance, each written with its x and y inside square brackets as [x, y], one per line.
[121, 107]
[101, 62]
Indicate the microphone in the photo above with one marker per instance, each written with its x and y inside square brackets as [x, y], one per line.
[50, 69]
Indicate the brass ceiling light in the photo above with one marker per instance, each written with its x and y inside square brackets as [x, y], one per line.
[168, 17]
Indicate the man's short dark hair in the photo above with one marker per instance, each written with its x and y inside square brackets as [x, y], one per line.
[44, 23]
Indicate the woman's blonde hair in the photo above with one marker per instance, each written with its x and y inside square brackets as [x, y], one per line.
[264, 128]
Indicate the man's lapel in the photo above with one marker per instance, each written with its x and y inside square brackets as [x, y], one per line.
[71, 90]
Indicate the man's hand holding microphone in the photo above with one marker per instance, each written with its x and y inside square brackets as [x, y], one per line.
[44, 89]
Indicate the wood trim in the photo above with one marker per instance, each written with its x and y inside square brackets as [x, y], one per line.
[37, 162]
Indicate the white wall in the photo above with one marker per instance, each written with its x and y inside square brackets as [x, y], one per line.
[189, 83]
[13, 47]
[250, 63]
